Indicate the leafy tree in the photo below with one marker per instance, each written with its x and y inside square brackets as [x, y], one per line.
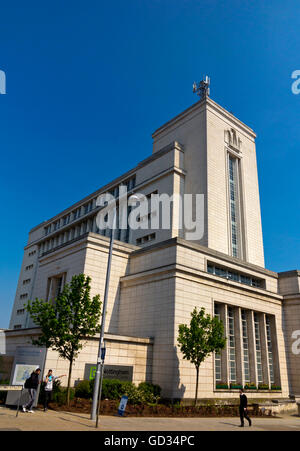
[197, 341]
[66, 321]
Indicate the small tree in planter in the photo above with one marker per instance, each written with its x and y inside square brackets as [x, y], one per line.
[204, 335]
[72, 317]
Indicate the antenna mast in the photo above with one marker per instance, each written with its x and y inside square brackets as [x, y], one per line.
[203, 88]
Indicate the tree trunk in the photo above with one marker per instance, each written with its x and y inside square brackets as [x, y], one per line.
[69, 381]
[197, 379]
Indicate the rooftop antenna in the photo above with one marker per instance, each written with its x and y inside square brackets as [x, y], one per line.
[202, 89]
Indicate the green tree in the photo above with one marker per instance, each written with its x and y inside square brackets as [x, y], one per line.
[204, 335]
[65, 322]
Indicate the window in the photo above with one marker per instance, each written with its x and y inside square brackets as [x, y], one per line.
[76, 213]
[56, 225]
[150, 194]
[66, 219]
[234, 275]
[27, 268]
[18, 326]
[55, 286]
[130, 183]
[270, 351]
[233, 201]
[218, 367]
[258, 349]
[88, 207]
[23, 296]
[21, 311]
[231, 344]
[26, 282]
[246, 280]
[48, 229]
[245, 346]
[31, 253]
[145, 238]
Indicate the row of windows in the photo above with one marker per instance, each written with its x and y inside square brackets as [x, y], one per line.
[145, 239]
[232, 338]
[21, 311]
[26, 281]
[31, 253]
[230, 274]
[79, 230]
[87, 208]
[27, 268]
[24, 296]
[90, 225]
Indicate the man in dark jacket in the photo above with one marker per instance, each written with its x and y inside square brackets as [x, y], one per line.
[243, 408]
[32, 390]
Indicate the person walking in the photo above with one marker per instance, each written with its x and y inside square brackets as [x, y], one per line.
[49, 380]
[243, 408]
[32, 384]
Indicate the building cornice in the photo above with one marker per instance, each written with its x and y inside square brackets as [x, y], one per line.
[206, 251]
[33, 331]
[199, 276]
[199, 107]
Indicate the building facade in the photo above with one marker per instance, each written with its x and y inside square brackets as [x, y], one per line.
[159, 274]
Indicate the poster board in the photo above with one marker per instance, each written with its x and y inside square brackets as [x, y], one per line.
[27, 359]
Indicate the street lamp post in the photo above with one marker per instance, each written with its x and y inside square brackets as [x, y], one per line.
[101, 350]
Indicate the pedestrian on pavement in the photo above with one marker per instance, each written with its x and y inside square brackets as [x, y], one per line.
[49, 380]
[243, 408]
[32, 384]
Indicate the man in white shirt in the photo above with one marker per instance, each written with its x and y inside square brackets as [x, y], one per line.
[49, 380]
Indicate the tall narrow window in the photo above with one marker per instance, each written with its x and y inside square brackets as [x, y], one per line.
[233, 202]
[258, 349]
[270, 351]
[55, 287]
[245, 347]
[218, 375]
[231, 345]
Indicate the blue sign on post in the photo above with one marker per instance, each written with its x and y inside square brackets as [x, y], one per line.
[122, 405]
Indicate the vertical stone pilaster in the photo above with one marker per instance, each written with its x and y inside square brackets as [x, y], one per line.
[276, 366]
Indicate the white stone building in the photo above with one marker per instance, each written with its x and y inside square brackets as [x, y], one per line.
[159, 276]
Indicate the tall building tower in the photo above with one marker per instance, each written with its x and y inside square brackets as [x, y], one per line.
[159, 275]
[220, 162]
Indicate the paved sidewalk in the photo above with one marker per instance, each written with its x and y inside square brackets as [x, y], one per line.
[66, 421]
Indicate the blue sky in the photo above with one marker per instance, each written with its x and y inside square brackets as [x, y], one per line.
[88, 82]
